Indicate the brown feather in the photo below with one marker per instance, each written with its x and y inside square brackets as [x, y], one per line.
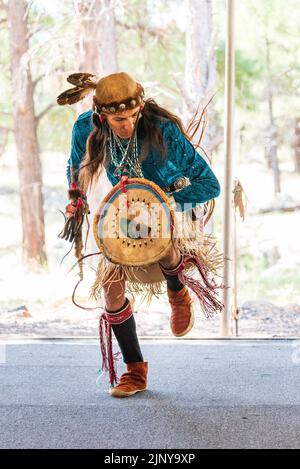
[73, 95]
[238, 192]
[83, 80]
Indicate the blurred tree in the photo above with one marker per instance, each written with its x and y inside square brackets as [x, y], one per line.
[6, 127]
[97, 42]
[25, 125]
[200, 67]
[297, 145]
[151, 46]
[4, 133]
[247, 71]
[272, 137]
[275, 45]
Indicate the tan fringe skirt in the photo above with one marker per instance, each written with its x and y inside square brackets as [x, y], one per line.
[149, 280]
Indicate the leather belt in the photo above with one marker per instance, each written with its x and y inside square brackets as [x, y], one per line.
[178, 185]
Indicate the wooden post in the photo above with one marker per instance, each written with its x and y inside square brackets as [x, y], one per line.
[229, 138]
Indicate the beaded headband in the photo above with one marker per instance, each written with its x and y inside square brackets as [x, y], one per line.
[114, 93]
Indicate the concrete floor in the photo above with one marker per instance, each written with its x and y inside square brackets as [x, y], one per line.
[202, 394]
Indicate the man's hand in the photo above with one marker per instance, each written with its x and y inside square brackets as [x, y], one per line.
[70, 210]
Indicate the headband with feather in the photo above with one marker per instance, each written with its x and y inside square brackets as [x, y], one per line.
[114, 93]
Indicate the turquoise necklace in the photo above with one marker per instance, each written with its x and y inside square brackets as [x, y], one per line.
[127, 163]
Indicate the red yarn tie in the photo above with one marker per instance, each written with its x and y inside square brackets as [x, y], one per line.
[108, 357]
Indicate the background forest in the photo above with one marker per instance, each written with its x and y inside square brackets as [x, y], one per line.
[176, 49]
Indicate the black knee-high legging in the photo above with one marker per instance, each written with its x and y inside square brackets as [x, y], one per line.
[173, 282]
[127, 339]
[125, 333]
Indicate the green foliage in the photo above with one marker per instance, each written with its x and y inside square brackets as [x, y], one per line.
[151, 46]
[60, 121]
[157, 42]
[276, 285]
[248, 71]
[268, 32]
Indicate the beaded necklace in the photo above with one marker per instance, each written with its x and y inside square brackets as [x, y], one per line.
[128, 163]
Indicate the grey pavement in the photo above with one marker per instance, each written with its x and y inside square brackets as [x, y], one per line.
[202, 394]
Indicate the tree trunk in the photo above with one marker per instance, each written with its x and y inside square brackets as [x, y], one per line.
[200, 73]
[200, 65]
[29, 165]
[97, 45]
[297, 145]
[3, 139]
[97, 36]
[273, 138]
[273, 146]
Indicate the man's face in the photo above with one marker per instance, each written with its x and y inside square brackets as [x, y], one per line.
[122, 124]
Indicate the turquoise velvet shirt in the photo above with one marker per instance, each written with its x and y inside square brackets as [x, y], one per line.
[181, 160]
